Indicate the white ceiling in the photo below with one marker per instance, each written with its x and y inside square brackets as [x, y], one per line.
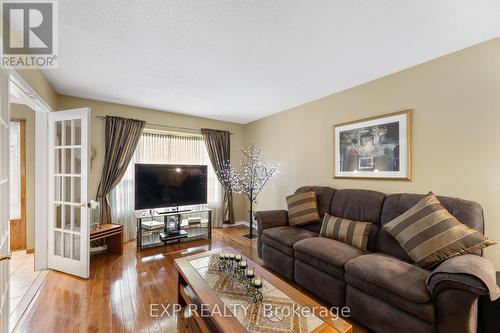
[242, 60]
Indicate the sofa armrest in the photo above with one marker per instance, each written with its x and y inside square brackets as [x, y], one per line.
[455, 286]
[469, 272]
[269, 219]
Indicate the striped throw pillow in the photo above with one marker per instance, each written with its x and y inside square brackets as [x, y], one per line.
[302, 208]
[430, 234]
[351, 232]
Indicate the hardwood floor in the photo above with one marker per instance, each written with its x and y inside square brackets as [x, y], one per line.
[24, 284]
[118, 294]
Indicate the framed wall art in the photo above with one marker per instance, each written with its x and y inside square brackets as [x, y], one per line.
[374, 148]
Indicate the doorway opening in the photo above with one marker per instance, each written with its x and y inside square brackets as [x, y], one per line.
[17, 184]
[24, 279]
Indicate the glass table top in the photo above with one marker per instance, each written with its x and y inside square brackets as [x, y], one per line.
[275, 313]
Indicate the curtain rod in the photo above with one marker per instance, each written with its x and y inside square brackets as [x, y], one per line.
[167, 126]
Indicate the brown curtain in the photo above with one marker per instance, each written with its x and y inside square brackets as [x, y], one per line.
[218, 145]
[121, 138]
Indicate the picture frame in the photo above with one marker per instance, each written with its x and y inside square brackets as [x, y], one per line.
[374, 148]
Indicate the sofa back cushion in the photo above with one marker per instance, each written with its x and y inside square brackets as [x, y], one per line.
[359, 205]
[468, 212]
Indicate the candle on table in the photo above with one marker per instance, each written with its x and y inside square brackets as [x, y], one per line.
[257, 282]
[231, 256]
[249, 272]
[243, 264]
[237, 257]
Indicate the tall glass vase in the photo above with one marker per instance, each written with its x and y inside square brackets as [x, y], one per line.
[94, 220]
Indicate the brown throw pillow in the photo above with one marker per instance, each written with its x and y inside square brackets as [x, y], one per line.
[430, 234]
[302, 208]
[347, 231]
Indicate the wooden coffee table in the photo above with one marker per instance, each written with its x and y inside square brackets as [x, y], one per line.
[218, 303]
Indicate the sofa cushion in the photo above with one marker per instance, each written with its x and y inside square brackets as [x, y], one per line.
[391, 274]
[467, 212]
[429, 234]
[351, 232]
[326, 254]
[283, 238]
[360, 205]
[393, 281]
[302, 208]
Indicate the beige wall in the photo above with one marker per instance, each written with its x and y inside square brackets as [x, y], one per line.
[456, 127]
[40, 84]
[150, 116]
[19, 111]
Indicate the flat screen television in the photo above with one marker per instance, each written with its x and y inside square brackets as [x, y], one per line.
[169, 185]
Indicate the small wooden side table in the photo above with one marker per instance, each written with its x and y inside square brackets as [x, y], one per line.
[113, 233]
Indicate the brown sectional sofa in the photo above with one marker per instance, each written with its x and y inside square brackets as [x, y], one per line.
[382, 288]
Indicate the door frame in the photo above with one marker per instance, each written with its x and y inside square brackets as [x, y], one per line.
[23, 91]
[22, 173]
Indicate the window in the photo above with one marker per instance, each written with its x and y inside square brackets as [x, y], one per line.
[15, 170]
[164, 148]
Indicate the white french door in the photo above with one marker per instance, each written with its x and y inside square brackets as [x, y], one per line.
[68, 227]
[4, 202]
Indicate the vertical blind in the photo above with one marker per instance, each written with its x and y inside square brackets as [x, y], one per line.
[164, 149]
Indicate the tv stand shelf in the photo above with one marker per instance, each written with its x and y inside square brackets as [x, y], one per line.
[161, 228]
[173, 212]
